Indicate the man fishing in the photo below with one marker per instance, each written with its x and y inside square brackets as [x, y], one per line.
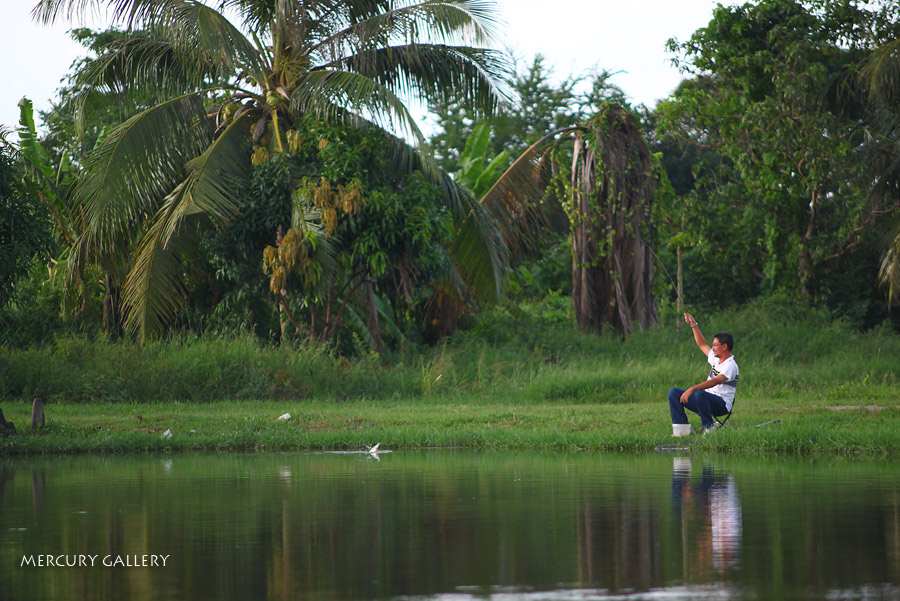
[715, 395]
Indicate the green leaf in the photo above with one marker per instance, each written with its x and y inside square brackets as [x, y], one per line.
[153, 290]
[139, 163]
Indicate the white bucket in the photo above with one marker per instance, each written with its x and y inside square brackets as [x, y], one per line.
[681, 430]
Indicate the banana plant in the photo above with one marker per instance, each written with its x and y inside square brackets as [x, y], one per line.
[477, 171]
[52, 184]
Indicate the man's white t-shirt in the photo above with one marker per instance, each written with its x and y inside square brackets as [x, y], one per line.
[729, 369]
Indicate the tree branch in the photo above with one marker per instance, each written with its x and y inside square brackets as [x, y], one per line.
[855, 232]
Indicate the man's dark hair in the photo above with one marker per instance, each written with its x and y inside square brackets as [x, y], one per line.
[726, 338]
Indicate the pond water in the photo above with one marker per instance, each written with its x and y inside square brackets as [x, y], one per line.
[448, 525]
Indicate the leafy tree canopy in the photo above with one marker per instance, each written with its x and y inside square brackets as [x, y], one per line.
[354, 219]
[24, 224]
[782, 189]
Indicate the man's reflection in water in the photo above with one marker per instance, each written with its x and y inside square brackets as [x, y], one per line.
[710, 513]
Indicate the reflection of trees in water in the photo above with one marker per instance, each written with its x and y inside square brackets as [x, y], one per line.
[38, 484]
[618, 540]
[832, 527]
[301, 528]
[6, 476]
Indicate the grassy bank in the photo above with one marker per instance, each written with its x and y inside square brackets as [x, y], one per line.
[517, 380]
[356, 425]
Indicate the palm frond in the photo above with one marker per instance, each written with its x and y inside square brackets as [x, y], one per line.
[125, 12]
[138, 61]
[325, 254]
[211, 184]
[437, 72]
[419, 48]
[184, 49]
[889, 273]
[139, 163]
[885, 124]
[139, 70]
[429, 21]
[476, 21]
[478, 253]
[199, 28]
[882, 72]
[153, 289]
[515, 199]
[334, 95]
[5, 132]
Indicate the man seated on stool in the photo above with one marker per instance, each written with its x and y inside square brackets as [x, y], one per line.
[715, 395]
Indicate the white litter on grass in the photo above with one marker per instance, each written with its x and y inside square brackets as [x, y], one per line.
[283, 418]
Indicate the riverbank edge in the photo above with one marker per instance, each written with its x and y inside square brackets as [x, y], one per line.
[240, 426]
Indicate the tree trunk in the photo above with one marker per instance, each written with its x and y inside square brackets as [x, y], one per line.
[112, 309]
[374, 326]
[612, 191]
[282, 301]
[804, 261]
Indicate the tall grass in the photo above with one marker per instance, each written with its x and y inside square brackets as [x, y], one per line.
[530, 354]
[521, 378]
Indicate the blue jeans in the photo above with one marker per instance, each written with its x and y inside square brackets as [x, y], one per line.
[705, 404]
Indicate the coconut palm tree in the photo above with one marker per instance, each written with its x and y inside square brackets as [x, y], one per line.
[231, 81]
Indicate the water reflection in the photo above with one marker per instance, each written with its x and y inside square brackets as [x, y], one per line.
[453, 526]
[709, 505]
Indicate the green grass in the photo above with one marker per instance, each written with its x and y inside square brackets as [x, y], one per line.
[521, 379]
[474, 423]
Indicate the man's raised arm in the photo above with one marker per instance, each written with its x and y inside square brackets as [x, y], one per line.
[698, 337]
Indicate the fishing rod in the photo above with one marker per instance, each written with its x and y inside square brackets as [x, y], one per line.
[666, 271]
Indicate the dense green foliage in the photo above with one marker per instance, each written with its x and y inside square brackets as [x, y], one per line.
[302, 258]
[24, 226]
[781, 199]
[358, 217]
[268, 195]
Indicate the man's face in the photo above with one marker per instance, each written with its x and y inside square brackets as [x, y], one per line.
[718, 347]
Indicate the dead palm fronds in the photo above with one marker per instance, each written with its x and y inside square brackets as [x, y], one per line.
[609, 200]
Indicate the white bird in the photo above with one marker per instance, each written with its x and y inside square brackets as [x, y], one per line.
[374, 450]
